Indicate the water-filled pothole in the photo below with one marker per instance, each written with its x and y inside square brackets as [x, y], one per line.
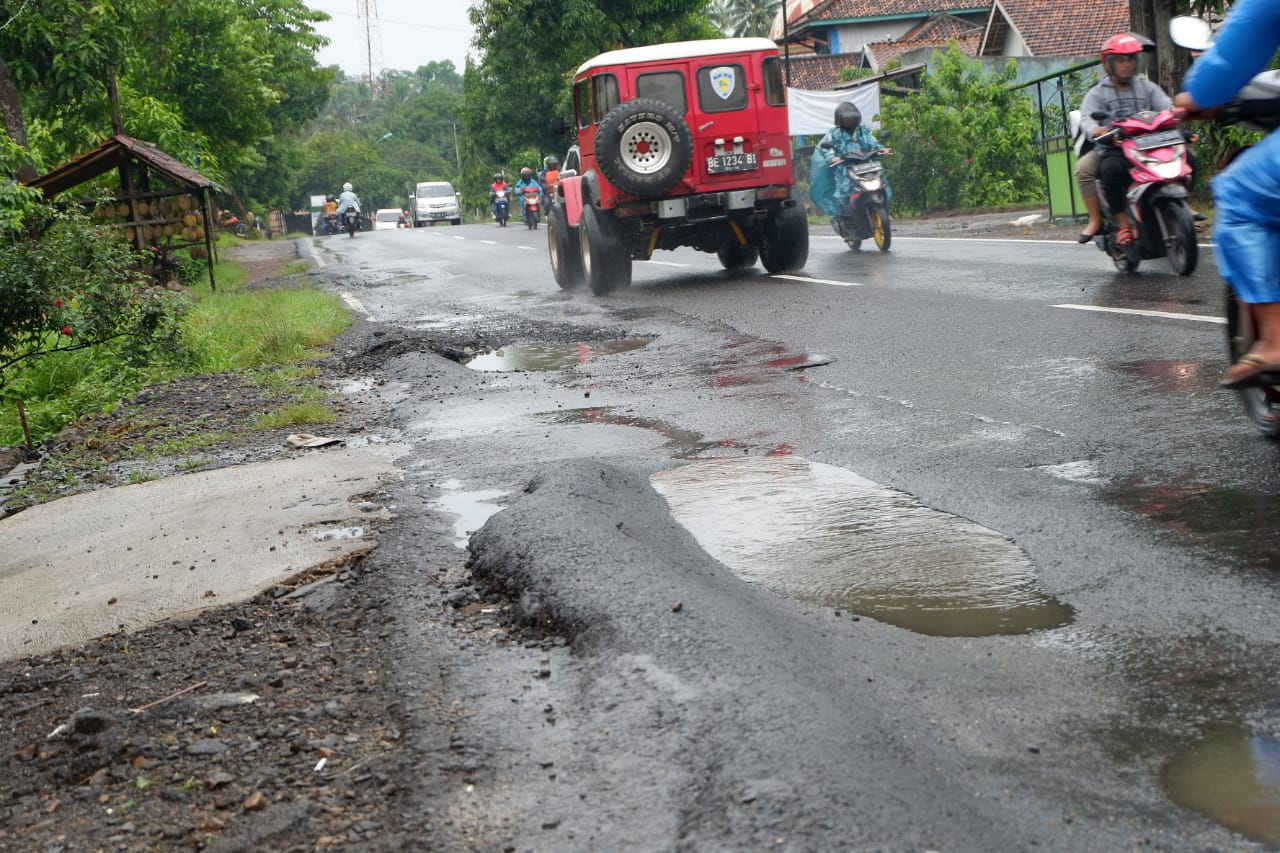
[1233, 778]
[550, 356]
[825, 535]
[472, 509]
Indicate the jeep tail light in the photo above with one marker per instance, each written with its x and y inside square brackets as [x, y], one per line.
[772, 193]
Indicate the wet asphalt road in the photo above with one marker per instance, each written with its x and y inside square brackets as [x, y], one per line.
[1022, 390]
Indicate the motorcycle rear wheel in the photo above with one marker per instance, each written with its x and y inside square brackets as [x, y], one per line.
[1261, 404]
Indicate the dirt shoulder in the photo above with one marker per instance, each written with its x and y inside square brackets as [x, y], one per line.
[265, 724]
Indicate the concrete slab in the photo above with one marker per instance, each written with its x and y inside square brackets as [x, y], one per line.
[121, 559]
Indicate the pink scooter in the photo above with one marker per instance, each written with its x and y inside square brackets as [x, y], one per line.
[1156, 150]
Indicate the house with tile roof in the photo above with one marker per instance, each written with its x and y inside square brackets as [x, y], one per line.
[822, 37]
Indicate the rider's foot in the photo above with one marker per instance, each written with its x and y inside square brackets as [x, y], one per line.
[1089, 231]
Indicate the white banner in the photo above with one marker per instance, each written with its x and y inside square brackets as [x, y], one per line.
[814, 112]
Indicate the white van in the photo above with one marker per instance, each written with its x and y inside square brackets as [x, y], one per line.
[434, 201]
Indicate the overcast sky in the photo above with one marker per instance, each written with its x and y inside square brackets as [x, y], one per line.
[400, 34]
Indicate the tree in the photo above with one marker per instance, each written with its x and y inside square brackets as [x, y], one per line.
[1151, 19]
[965, 139]
[751, 17]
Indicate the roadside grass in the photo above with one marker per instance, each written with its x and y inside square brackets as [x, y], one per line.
[297, 414]
[228, 329]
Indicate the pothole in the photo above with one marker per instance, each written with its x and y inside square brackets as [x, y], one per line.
[822, 534]
[471, 508]
[550, 356]
[1233, 778]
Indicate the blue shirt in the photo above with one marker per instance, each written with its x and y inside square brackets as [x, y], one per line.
[1244, 46]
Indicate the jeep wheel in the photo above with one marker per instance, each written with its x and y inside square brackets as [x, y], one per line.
[735, 256]
[644, 147]
[562, 246]
[786, 239]
[606, 259]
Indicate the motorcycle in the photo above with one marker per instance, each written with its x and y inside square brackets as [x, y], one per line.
[501, 207]
[351, 221]
[865, 214]
[1255, 107]
[531, 203]
[1155, 149]
[331, 225]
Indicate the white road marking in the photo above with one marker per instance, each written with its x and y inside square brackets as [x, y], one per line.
[490, 242]
[457, 237]
[809, 280]
[1168, 315]
[529, 248]
[666, 264]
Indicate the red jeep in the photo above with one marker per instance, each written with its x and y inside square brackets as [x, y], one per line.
[682, 144]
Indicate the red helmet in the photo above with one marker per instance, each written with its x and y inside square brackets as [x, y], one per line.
[1123, 44]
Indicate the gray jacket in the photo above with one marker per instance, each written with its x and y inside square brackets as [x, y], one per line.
[1104, 97]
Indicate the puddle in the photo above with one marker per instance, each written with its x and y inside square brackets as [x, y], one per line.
[1233, 778]
[823, 534]
[355, 386]
[683, 440]
[550, 356]
[472, 509]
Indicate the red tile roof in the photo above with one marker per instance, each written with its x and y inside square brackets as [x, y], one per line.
[818, 73]
[1055, 28]
[838, 10]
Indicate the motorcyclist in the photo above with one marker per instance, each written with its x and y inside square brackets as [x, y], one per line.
[830, 188]
[348, 200]
[1246, 193]
[527, 181]
[1121, 94]
[330, 224]
[549, 178]
[499, 185]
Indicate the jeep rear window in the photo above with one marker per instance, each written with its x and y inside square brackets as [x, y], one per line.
[604, 95]
[722, 88]
[665, 86]
[775, 92]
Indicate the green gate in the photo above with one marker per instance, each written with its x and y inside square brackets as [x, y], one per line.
[1055, 96]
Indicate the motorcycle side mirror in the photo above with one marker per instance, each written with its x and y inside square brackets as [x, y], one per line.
[884, 134]
[827, 144]
[1098, 116]
[1191, 33]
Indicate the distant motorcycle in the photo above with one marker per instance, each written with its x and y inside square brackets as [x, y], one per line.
[351, 221]
[531, 203]
[501, 207]
[865, 213]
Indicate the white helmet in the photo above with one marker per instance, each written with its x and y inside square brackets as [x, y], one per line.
[346, 188]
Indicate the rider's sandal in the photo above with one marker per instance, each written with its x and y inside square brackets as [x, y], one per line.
[1125, 237]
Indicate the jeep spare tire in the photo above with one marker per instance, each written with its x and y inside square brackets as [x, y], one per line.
[644, 147]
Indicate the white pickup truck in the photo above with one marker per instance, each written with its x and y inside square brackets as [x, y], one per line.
[435, 201]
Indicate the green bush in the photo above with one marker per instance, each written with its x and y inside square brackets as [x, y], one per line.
[967, 139]
[67, 284]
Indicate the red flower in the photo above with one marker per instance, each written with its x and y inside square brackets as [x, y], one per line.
[59, 303]
[66, 330]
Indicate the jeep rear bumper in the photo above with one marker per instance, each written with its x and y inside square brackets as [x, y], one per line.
[704, 206]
